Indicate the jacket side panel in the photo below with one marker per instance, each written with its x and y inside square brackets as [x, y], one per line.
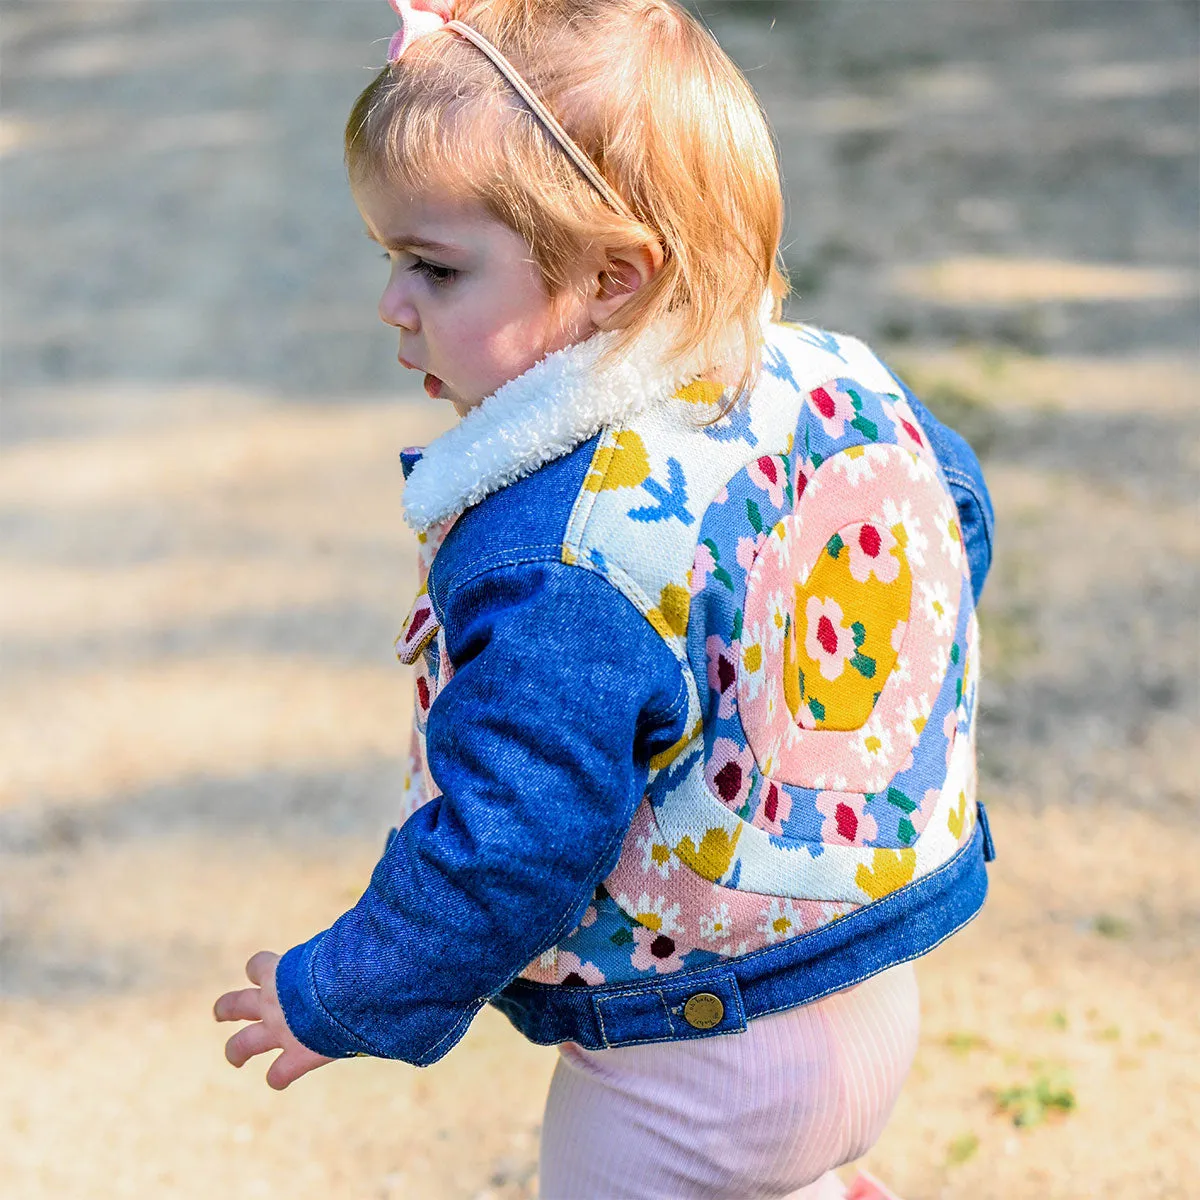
[716, 865]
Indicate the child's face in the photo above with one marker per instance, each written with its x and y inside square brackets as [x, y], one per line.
[465, 294]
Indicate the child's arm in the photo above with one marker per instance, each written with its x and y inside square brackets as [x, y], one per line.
[540, 743]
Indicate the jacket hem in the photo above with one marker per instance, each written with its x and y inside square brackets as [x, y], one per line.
[896, 929]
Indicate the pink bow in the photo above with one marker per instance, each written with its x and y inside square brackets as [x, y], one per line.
[417, 18]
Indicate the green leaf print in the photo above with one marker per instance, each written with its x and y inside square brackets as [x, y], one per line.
[863, 665]
[867, 428]
[900, 800]
[722, 576]
[755, 516]
[622, 937]
[736, 632]
[954, 654]
[817, 709]
[905, 831]
[835, 545]
[858, 629]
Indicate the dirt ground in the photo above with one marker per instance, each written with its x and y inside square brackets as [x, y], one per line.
[204, 566]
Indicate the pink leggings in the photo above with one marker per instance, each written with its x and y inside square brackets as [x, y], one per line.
[765, 1113]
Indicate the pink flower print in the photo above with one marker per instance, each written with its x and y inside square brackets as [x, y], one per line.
[908, 432]
[870, 547]
[716, 925]
[800, 478]
[655, 950]
[702, 566]
[754, 661]
[780, 920]
[747, 548]
[898, 632]
[952, 546]
[652, 911]
[772, 698]
[722, 497]
[826, 640]
[728, 772]
[938, 607]
[722, 672]
[834, 409]
[916, 541]
[845, 822]
[589, 916]
[774, 808]
[873, 744]
[777, 620]
[576, 973]
[657, 857]
[770, 474]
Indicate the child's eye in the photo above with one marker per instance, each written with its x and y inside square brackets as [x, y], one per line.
[434, 272]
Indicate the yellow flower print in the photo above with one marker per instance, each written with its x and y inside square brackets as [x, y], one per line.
[890, 870]
[670, 618]
[712, 859]
[624, 465]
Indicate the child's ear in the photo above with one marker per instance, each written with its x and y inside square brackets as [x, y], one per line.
[625, 271]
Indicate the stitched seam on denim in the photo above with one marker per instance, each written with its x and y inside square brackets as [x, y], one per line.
[351, 1036]
[467, 1017]
[484, 567]
[662, 999]
[841, 987]
[598, 1003]
[511, 556]
[585, 500]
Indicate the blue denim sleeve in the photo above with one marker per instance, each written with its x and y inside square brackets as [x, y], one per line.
[540, 743]
[965, 477]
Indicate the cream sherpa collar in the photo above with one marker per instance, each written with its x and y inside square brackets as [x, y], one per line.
[555, 406]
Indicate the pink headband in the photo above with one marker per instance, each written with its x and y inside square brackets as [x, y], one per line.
[418, 18]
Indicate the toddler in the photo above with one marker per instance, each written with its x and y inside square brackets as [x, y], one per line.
[693, 768]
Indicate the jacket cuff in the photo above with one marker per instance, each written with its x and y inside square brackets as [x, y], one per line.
[306, 1016]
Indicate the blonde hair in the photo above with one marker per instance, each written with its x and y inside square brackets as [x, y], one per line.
[660, 109]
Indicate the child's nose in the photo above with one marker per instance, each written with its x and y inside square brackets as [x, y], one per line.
[396, 307]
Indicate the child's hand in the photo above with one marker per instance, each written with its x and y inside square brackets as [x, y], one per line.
[269, 1031]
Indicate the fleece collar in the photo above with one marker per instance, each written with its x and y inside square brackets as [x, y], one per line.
[541, 415]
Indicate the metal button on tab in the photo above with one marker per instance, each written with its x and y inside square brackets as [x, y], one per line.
[703, 1010]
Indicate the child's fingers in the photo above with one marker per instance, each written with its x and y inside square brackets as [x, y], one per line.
[261, 968]
[245, 1005]
[246, 1043]
[290, 1065]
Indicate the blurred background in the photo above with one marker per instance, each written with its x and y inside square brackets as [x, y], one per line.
[204, 565]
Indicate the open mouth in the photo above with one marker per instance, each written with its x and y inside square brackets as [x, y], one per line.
[433, 386]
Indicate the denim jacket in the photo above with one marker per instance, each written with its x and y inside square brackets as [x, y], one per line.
[653, 792]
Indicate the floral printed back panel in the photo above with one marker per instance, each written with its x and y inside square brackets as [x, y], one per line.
[828, 622]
